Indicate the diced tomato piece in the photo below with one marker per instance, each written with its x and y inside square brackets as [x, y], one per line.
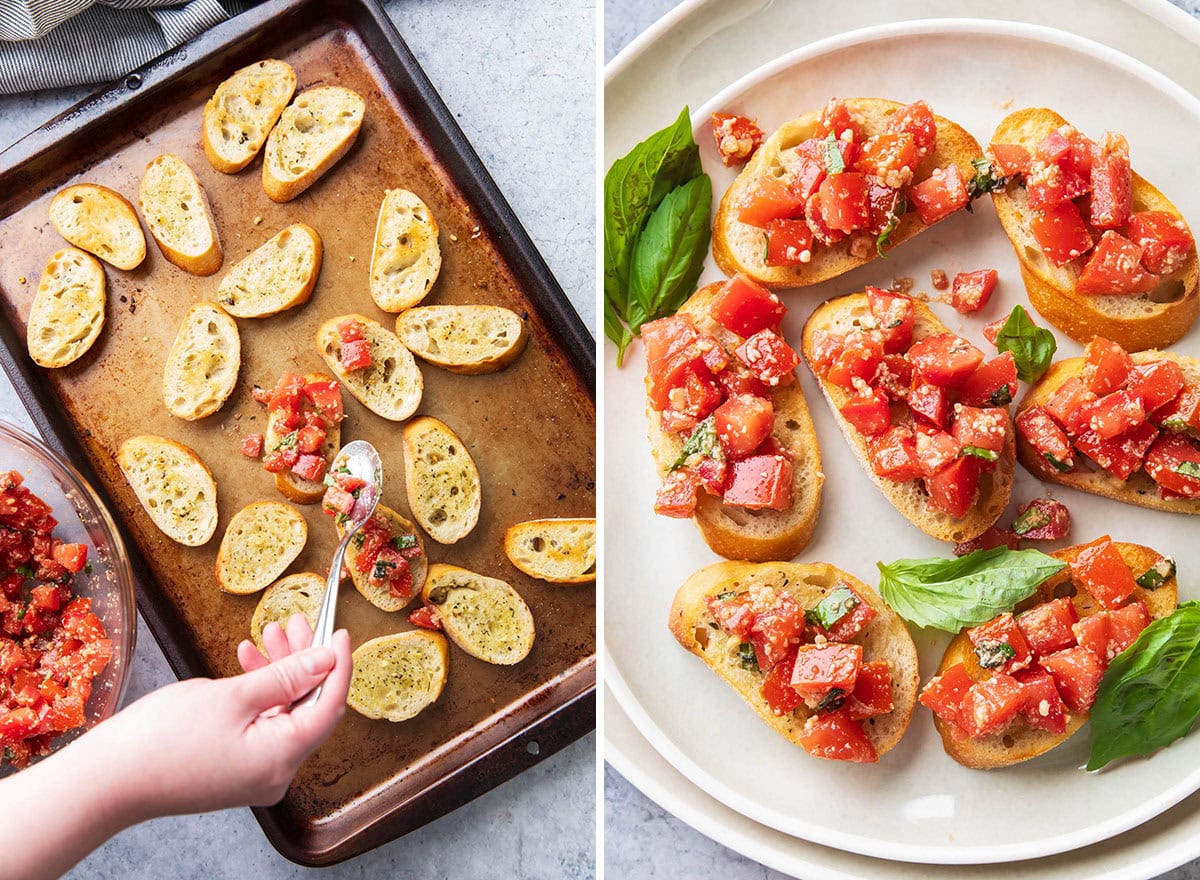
[337, 500]
[1000, 645]
[1061, 232]
[1070, 398]
[1054, 148]
[776, 630]
[935, 449]
[954, 488]
[350, 330]
[814, 215]
[895, 376]
[737, 137]
[310, 467]
[994, 383]
[326, 396]
[991, 330]
[1044, 435]
[939, 195]
[1116, 413]
[850, 625]
[288, 391]
[1043, 708]
[743, 306]
[768, 357]
[355, 355]
[17, 724]
[777, 688]
[1126, 624]
[1115, 269]
[770, 199]
[1164, 461]
[845, 204]
[1165, 240]
[872, 694]
[868, 411]
[945, 359]
[737, 380]
[252, 445]
[789, 243]
[917, 120]
[1156, 384]
[993, 537]
[895, 316]
[1047, 627]
[894, 455]
[1042, 519]
[944, 694]
[991, 704]
[72, 557]
[972, 290]
[1049, 184]
[1182, 414]
[1094, 633]
[1101, 571]
[733, 614]
[983, 428]
[837, 737]
[713, 475]
[821, 668]
[1122, 455]
[836, 119]
[826, 348]
[280, 460]
[676, 496]
[891, 157]
[1010, 159]
[884, 202]
[1106, 366]
[698, 396]
[1112, 182]
[761, 481]
[1077, 673]
[673, 346]
[310, 440]
[743, 423]
[931, 402]
[809, 169]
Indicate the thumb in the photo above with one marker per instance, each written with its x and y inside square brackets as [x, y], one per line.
[284, 681]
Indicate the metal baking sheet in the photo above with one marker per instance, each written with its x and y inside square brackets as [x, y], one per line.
[530, 428]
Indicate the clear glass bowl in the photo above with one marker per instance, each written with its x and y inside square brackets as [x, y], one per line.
[83, 518]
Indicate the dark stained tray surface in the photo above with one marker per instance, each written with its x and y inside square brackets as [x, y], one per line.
[531, 428]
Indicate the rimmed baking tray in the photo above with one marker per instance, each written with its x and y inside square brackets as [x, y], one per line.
[531, 428]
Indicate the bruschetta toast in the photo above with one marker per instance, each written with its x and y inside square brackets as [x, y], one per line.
[242, 112]
[834, 188]
[100, 221]
[813, 650]
[1124, 426]
[304, 416]
[1102, 251]
[1017, 686]
[926, 417]
[373, 365]
[67, 312]
[729, 429]
[260, 542]
[386, 559]
[202, 366]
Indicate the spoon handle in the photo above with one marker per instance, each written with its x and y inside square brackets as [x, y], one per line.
[323, 632]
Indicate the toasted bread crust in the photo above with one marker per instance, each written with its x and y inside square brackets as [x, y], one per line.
[202, 366]
[463, 339]
[886, 638]
[1020, 743]
[738, 247]
[67, 312]
[155, 466]
[304, 121]
[195, 248]
[497, 629]
[398, 676]
[100, 221]
[910, 498]
[567, 553]
[1135, 322]
[441, 480]
[406, 258]
[1139, 489]
[734, 532]
[391, 392]
[259, 544]
[250, 102]
[273, 288]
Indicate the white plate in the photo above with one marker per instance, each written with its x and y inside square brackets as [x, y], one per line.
[917, 805]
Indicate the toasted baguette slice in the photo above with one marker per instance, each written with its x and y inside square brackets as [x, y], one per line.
[242, 112]
[102, 222]
[299, 593]
[845, 313]
[406, 259]
[736, 532]
[1151, 320]
[203, 364]
[381, 597]
[392, 386]
[441, 480]
[293, 487]
[1019, 742]
[885, 638]
[176, 210]
[484, 616]
[316, 130]
[67, 312]
[739, 247]
[174, 486]
[279, 275]
[561, 551]
[1139, 489]
[463, 339]
[260, 543]
[396, 677]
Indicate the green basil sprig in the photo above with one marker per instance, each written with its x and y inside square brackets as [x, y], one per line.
[950, 594]
[703, 441]
[1032, 346]
[1150, 695]
[636, 190]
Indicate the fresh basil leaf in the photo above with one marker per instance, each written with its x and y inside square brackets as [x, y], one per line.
[22, 612]
[727, 595]
[1150, 695]
[670, 252]
[25, 570]
[704, 441]
[986, 179]
[1154, 577]
[289, 440]
[748, 657]
[1002, 396]
[884, 239]
[1178, 426]
[404, 542]
[832, 701]
[950, 594]
[1188, 468]
[1031, 519]
[980, 452]
[1032, 346]
[833, 607]
[615, 329]
[834, 162]
[992, 654]
[1060, 466]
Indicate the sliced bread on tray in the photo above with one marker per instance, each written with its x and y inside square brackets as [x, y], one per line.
[174, 486]
[279, 275]
[178, 215]
[561, 551]
[484, 616]
[299, 593]
[407, 258]
[202, 366]
[101, 221]
[260, 542]
[441, 480]
[399, 538]
[67, 312]
[392, 385]
[397, 677]
[314, 132]
[242, 112]
[463, 339]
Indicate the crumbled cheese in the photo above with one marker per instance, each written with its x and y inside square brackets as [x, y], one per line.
[257, 221]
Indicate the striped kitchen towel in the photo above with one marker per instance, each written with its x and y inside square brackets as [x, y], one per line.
[49, 44]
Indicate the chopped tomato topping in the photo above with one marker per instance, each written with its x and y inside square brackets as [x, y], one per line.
[1165, 240]
[1173, 462]
[809, 169]
[743, 422]
[851, 624]
[868, 410]
[776, 630]
[895, 315]
[1126, 624]
[981, 428]
[1116, 413]
[836, 119]
[789, 242]
[1183, 413]
[936, 449]
[891, 157]
[1044, 435]
[972, 290]
[1043, 519]
[1101, 571]
[309, 467]
[72, 557]
[426, 617]
[1010, 159]
[1106, 366]
[1112, 182]
[337, 500]
[770, 199]
[355, 355]
[757, 482]
[859, 358]
[993, 383]
[1121, 455]
[991, 704]
[309, 440]
[1000, 645]
[820, 669]
[945, 359]
[1077, 673]
[944, 694]
[826, 348]
[743, 306]
[673, 347]
[993, 537]
[1115, 269]
[1070, 398]
[777, 689]
[916, 119]
[954, 488]
[872, 694]
[1049, 184]
[837, 737]
[1060, 231]
[845, 202]
[252, 445]
[1094, 633]
[676, 496]
[894, 455]
[1043, 708]
[737, 137]
[1047, 627]
[1156, 384]
[768, 357]
[939, 195]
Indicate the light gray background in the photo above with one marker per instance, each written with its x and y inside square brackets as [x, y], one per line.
[538, 107]
[640, 838]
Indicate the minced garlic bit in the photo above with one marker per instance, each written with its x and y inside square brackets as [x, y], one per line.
[257, 221]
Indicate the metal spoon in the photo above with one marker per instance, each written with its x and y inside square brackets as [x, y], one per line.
[361, 460]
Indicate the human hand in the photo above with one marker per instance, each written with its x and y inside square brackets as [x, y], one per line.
[205, 744]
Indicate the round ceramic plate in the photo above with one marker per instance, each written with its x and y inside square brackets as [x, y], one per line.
[917, 804]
